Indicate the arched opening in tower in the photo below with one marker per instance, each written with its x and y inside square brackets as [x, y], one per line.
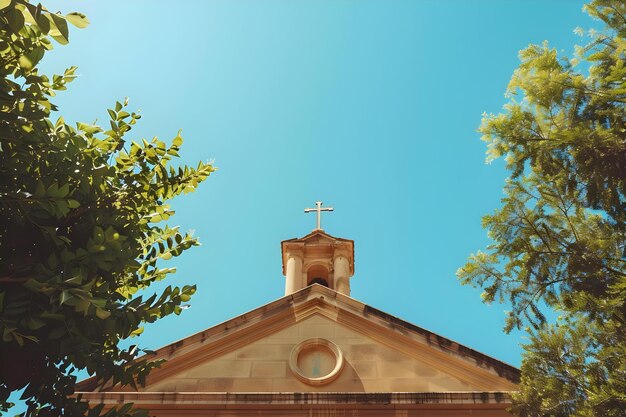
[317, 274]
[320, 281]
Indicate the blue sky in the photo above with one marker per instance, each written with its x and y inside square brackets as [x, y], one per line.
[369, 106]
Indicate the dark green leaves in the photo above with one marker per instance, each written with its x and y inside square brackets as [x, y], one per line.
[82, 213]
[31, 59]
[14, 19]
[59, 30]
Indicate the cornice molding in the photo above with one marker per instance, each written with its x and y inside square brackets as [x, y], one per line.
[462, 401]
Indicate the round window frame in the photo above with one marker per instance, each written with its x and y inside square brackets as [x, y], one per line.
[311, 343]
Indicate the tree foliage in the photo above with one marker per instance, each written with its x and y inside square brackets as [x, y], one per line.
[80, 233]
[559, 239]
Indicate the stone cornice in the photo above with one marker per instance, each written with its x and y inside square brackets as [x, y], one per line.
[445, 400]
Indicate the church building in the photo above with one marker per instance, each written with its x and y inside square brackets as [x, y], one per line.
[318, 352]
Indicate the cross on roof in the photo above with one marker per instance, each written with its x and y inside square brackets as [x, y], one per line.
[319, 209]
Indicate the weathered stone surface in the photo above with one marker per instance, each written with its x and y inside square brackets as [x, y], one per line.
[390, 368]
[371, 366]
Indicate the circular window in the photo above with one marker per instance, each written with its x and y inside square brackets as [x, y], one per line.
[316, 361]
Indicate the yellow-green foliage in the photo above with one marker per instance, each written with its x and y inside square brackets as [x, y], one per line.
[559, 239]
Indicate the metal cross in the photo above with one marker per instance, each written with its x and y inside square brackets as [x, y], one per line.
[319, 210]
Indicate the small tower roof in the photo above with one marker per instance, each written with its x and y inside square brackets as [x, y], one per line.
[318, 241]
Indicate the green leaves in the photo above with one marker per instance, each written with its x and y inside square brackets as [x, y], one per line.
[31, 59]
[83, 210]
[77, 19]
[558, 241]
[178, 140]
[59, 30]
[14, 19]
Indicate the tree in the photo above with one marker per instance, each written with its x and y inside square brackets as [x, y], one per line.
[80, 242]
[559, 239]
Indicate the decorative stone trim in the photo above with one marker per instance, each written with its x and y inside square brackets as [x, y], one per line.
[362, 399]
[313, 355]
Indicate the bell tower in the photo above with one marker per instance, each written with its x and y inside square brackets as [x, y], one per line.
[318, 258]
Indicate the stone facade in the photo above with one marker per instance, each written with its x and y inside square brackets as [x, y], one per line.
[264, 366]
[318, 352]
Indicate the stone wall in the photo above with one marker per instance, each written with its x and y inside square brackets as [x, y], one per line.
[263, 366]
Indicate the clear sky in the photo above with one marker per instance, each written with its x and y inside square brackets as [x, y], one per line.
[370, 106]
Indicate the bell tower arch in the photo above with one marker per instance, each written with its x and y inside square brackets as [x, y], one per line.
[317, 274]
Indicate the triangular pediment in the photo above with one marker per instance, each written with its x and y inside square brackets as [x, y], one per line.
[317, 235]
[296, 343]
